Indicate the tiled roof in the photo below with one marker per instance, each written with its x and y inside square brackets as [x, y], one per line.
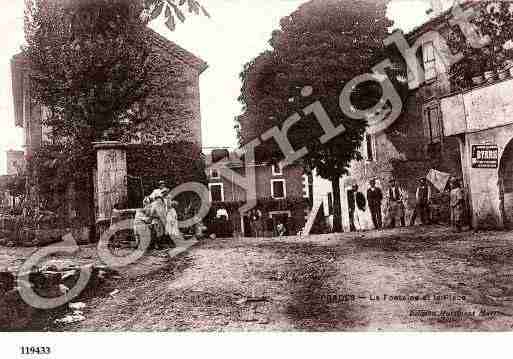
[179, 52]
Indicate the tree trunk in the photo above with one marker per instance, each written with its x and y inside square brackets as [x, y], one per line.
[92, 208]
[337, 208]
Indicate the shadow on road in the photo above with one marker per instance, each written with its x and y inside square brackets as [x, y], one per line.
[316, 305]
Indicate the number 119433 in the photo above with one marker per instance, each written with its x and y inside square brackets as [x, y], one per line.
[33, 350]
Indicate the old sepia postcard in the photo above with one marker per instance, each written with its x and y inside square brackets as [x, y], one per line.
[271, 166]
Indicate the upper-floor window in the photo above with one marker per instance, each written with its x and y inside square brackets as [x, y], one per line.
[278, 189]
[429, 59]
[214, 173]
[432, 124]
[277, 169]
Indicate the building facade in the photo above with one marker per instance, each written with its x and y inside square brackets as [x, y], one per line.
[282, 194]
[171, 112]
[414, 144]
[480, 119]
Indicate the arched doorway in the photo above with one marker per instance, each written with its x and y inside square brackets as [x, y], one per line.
[506, 185]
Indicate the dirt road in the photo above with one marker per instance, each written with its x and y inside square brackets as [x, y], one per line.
[411, 279]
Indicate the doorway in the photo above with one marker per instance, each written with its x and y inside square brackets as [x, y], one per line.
[280, 217]
[506, 185]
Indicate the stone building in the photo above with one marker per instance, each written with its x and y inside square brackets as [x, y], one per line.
[416, 142]
[480, 119]
[283, 194]
[172, 113]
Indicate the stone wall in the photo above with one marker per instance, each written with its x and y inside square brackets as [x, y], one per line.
[401, 152]
[478, 109]
[481, 116]
[492, 205]
[111, 178]
[173, 107]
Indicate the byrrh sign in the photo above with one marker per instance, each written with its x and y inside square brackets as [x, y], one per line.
[485, 156]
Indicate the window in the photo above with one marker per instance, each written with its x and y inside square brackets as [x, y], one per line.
[330, 203]
[277, 169]
[370, 148]
[429, 59]
[214, 173]
[216, 192]
[278, 190]
[432, 125]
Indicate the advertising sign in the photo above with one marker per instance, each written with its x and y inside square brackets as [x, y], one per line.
[485, 156]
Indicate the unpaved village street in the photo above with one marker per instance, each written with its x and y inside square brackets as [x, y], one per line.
[405, 279]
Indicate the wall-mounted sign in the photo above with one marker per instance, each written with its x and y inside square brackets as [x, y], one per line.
[485, 156]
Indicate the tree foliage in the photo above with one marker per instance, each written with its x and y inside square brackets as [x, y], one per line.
[90, 62]
[324, 44]
[494, 19]
[91, 65]
[87, 66]
[173, 10]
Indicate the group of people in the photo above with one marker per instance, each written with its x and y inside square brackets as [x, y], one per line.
[159, 215]
[395, 204]
[258, 226]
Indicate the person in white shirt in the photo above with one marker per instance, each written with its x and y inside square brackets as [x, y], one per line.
[161, 191]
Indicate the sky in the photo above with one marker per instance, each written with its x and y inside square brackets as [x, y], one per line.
[237, 31]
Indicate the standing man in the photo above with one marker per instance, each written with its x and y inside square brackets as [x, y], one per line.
[395, 204]
[256, 223]
[423, 199]
[351, 194]
[374, 198]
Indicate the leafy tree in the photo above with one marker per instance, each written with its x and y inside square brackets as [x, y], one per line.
[494, 20]
[91, 63]
[173, 9]
[324, 44]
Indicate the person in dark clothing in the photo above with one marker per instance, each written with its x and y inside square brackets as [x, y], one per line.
[351, 199]
[256, 223]
[375, 198]
[395, 204]
[361, 202]
[423, 199]
[356, 201]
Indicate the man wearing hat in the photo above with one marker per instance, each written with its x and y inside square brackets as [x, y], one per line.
[423, 199]
[351, 200]
[395, 204]
[374, 198]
